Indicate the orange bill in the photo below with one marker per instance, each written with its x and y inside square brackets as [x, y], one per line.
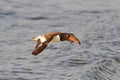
[74, 39]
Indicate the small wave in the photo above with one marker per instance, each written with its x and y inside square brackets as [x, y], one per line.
[38, 18]
[8, 13]
[78, 62]
[25, 72]
[93, 11]
[116, 43]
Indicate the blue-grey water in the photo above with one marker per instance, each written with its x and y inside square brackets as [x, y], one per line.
[95, 22]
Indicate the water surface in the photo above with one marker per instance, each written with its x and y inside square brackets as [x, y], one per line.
[95, 22]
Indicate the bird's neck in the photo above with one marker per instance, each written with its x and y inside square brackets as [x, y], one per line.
[62, 37]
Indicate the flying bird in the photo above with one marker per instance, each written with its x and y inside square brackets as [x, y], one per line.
[52, 37]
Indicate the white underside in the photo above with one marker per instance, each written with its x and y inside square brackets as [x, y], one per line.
[42, 38]
[55, 39]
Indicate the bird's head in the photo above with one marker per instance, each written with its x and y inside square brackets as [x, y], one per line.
[74, 39]
[71, 38]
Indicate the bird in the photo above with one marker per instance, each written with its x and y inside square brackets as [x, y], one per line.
[42, 41]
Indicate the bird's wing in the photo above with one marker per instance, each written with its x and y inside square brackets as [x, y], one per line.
[39, 48]
[50, 35]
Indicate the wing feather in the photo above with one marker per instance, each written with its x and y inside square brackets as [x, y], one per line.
[39, 49]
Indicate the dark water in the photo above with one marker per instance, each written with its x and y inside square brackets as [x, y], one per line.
[95, 22]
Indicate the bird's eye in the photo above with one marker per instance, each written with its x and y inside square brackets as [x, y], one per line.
[68, 36]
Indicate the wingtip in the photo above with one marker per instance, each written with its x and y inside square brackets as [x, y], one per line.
[34, 53]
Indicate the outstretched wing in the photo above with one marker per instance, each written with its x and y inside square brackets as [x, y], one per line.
[39, 48]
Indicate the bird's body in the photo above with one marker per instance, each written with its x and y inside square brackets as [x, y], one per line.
[52, 37]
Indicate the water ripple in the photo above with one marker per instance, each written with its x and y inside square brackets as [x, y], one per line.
[38, 18]
[95, 23]
[78, 62]
[105, 70]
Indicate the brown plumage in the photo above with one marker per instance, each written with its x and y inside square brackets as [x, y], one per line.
[44, 40]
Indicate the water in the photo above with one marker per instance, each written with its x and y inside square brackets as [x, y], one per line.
[95, 22]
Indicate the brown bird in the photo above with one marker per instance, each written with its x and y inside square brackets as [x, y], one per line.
[52, 37]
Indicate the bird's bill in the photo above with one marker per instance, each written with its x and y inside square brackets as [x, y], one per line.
[74, 39]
